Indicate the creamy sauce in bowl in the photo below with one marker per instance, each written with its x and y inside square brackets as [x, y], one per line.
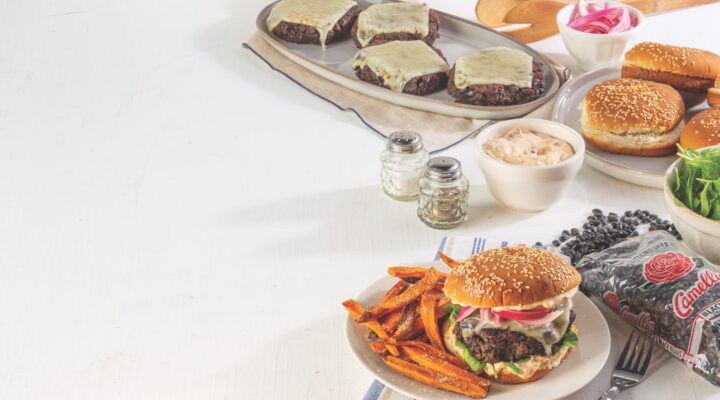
[527, 147]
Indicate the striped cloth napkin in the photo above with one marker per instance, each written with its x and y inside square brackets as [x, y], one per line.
[459, 248]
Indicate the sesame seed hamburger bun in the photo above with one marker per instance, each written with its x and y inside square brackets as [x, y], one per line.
[631, 116]
[713, 95]
[512, 277]
[703, 130]
[683, 68]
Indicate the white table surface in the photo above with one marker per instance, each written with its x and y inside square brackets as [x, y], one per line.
[179, 222]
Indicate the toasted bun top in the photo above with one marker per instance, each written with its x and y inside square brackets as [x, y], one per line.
[703, 130]
[632, 106]
[675, 59]
[510, 277]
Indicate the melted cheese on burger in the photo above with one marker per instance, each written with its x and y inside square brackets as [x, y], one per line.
[393, 17]
[495, 65]
[320, 14]
[399, 61]
[547, 335]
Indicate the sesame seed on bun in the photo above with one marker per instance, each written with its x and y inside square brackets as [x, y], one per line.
[703, 130]
[683, 68]
[632, 116]
[513, 277]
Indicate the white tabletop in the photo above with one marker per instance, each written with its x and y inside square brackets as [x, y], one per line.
[179, 222]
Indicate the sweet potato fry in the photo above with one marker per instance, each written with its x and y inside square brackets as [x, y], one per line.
[433, 378]
[417, 329]
[397, 288]
[378, 347]
[355, 310]
[439, 365]
[402, 299]
[391, 321]
[443, 301]
[426, 309]
[407, 321]
[435, 352]
[411, 272]
[447, 260]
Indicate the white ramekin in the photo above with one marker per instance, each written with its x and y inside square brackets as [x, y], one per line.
[529, 188]
[699, 233]
[592, 50]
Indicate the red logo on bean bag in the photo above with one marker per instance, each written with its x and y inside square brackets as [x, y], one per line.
[612, 301]
[667, 267]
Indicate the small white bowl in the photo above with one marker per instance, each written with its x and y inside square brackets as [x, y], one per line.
[530, 188]
[592, 50]
[699, 233]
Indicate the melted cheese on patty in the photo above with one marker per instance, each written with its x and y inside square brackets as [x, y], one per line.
[494, 65]
[393, 17]
[320, 14]
[399, 61]
[547, 335]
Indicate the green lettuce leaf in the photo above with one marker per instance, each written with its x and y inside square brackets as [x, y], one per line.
[571, 340]
[475, 365]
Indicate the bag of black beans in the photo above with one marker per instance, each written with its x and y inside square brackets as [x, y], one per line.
[657, 284]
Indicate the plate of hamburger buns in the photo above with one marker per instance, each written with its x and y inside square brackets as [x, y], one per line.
[634, 115]
[411, 55]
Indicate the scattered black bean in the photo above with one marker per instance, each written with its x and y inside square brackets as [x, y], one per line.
[603, 231]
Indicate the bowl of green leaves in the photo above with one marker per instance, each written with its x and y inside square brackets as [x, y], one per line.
[692, 194]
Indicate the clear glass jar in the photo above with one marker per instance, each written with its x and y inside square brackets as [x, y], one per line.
[443, 200]
[403, 162]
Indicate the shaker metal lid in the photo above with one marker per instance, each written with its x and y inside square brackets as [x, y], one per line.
[443, 169]
[404, 142]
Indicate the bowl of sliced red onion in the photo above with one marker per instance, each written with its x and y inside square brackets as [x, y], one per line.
[597, 33]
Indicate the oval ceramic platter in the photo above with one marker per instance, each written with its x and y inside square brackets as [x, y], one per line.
[579, 368]
[644, 171]
[457, 37]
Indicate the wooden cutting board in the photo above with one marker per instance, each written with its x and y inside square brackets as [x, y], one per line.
[540, 14]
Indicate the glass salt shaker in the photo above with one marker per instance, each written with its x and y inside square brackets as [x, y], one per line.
[443, 201]
[403, 162]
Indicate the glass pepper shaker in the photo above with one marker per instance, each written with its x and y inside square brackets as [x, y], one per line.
[443, 201]
[403, 162]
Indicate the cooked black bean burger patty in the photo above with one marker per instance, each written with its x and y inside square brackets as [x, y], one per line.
[382, 23]
[419, 85]
[496, 345]
[496, 76]
[498, 95]
[403, 66]
[308, 21]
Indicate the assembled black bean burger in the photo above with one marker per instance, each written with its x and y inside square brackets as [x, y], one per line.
[511, 319]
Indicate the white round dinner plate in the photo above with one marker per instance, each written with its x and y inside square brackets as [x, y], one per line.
[578, 369]
[644, 171]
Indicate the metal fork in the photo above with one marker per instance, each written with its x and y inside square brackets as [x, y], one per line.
[631, 369]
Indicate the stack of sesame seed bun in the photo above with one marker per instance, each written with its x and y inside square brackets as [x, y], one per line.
[683, 68]
[703, 130]
[632, 116]
[514, 277]
[713, 95]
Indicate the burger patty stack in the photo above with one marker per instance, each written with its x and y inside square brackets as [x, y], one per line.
[512, 318]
